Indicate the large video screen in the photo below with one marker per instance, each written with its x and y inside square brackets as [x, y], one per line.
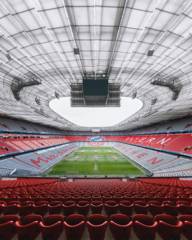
[95, 87]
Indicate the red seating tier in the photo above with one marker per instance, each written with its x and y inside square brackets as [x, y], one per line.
[145, 208]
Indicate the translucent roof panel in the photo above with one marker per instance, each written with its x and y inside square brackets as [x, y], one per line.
[133, 42]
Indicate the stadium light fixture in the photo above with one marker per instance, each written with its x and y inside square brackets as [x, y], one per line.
[96, 116]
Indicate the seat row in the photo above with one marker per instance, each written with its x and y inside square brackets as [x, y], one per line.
[61, 197]
[97, 189]
[53, 201]
[84, 207]
[74, 227]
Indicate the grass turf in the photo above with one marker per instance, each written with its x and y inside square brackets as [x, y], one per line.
[95, 161]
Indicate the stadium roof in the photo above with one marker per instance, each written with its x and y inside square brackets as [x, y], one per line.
[145, 45]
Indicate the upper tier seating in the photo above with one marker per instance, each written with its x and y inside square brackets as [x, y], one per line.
[180, 143]
[16, 144]
[13, 125]
[177, 125]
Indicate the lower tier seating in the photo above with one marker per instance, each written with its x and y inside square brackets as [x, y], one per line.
[55, 209]
[36, 162]
[95, 227]
[159, 163]
[13, 143]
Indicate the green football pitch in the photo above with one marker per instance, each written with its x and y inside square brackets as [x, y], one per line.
[95, 161]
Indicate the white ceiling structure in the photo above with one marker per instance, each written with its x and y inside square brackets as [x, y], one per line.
[38, 38]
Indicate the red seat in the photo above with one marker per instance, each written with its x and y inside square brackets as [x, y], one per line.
[7, 230]
[51, 231]
[141, 207]
[168, 226]
[82, 207]
[27, 231]
[144, 226]
[40, 209]
[166, 218]
[25, 210]
[55, 209]
[96, 206]
[53, 218]
[41, 202]
[96, 198]
[10, 217]
[126, 207]
[169, 231]
[107, 198]
[187, 225]
[28, 201]
[13, 202]
[120, 226]
[31, 218]
[184, 208]
[74, 226]
[69, 207]
[111, 207]
[11, 209]
[155, 208]
[170, 209]
[118, 197]
[97, 225]
[2, 203]
[186, 229]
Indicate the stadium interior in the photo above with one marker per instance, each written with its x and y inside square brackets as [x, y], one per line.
[95, 120]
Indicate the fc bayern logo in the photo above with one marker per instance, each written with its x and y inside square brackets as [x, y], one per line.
[96, 139]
